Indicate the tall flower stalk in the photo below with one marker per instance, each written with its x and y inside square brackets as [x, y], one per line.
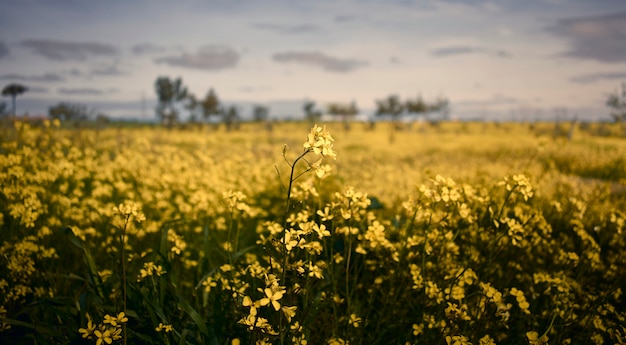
[319, 142]
[129, 211]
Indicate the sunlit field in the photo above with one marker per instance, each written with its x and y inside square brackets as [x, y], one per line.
[449, 233]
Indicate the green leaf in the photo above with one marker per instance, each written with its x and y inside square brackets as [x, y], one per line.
[197, 318]
[89, 261]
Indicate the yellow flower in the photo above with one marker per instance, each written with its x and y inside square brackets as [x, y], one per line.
[88, 332]
[534, 339]
[354, 320]
[273, 295]
[486, 340]
[121, 317]
[164, 328]
[289, 312]
[320, 141]
[103, 335]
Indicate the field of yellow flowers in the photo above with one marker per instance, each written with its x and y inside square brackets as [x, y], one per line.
[455, 233]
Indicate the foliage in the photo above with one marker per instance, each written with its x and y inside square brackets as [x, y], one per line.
[310, 113]
[260, 113]
[617, 103]
[211, 105]
[169, 91]
[65, 111]
[343, 110]
[151, 236]
[14, 90]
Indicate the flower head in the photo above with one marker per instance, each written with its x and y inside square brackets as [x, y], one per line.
[320, 141]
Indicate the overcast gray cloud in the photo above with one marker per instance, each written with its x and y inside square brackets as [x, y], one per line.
[317, 59]
[110, 70]
[207, 58]
[286, 29]
[47, 77]
[4, 50]
[37, 89]
[85, 91]
[147, 48]
[601, 38]
[461, 50]
[68, 51]
[593, 77]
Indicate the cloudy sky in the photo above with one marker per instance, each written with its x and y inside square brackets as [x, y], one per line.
[525, 59]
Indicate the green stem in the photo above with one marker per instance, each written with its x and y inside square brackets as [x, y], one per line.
[123, 257]
[286, 215]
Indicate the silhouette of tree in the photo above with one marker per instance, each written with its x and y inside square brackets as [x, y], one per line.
[441, 107]
[13, 90]
[210, 105]
[345, 111]
[416, 106]
[70, 112]
[310, 113]
[260, 113]
[617, 103]
[3, 108]
[230, 118]
[191, 105]
[390, 106]
[168, 93]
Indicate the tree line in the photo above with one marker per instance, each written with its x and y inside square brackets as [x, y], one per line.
[172, 95]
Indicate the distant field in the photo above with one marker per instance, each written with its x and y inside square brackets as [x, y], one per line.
[449, 233]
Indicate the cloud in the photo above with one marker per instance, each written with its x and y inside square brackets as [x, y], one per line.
[47, 77]
[4, 51]
[37, 89]
[593, 77]
[111, 70]
[316, 59]
[286, 29]
[461, 50]
[344, 18]
[68, 51]
[85, 91]
[146, 49]
[207, 58]
[600, 38]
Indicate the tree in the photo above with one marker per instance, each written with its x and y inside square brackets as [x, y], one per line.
[14, 90]
[168, 93]
[417, 106]
[390, 105]
[345, 111]
[210, 105]
[191, 105]
[310, 113]
[617, 103]
[70, 112]
[230, 117]
[260, 113]
[441, 106]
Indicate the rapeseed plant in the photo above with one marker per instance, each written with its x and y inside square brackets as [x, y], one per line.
[346, 254]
